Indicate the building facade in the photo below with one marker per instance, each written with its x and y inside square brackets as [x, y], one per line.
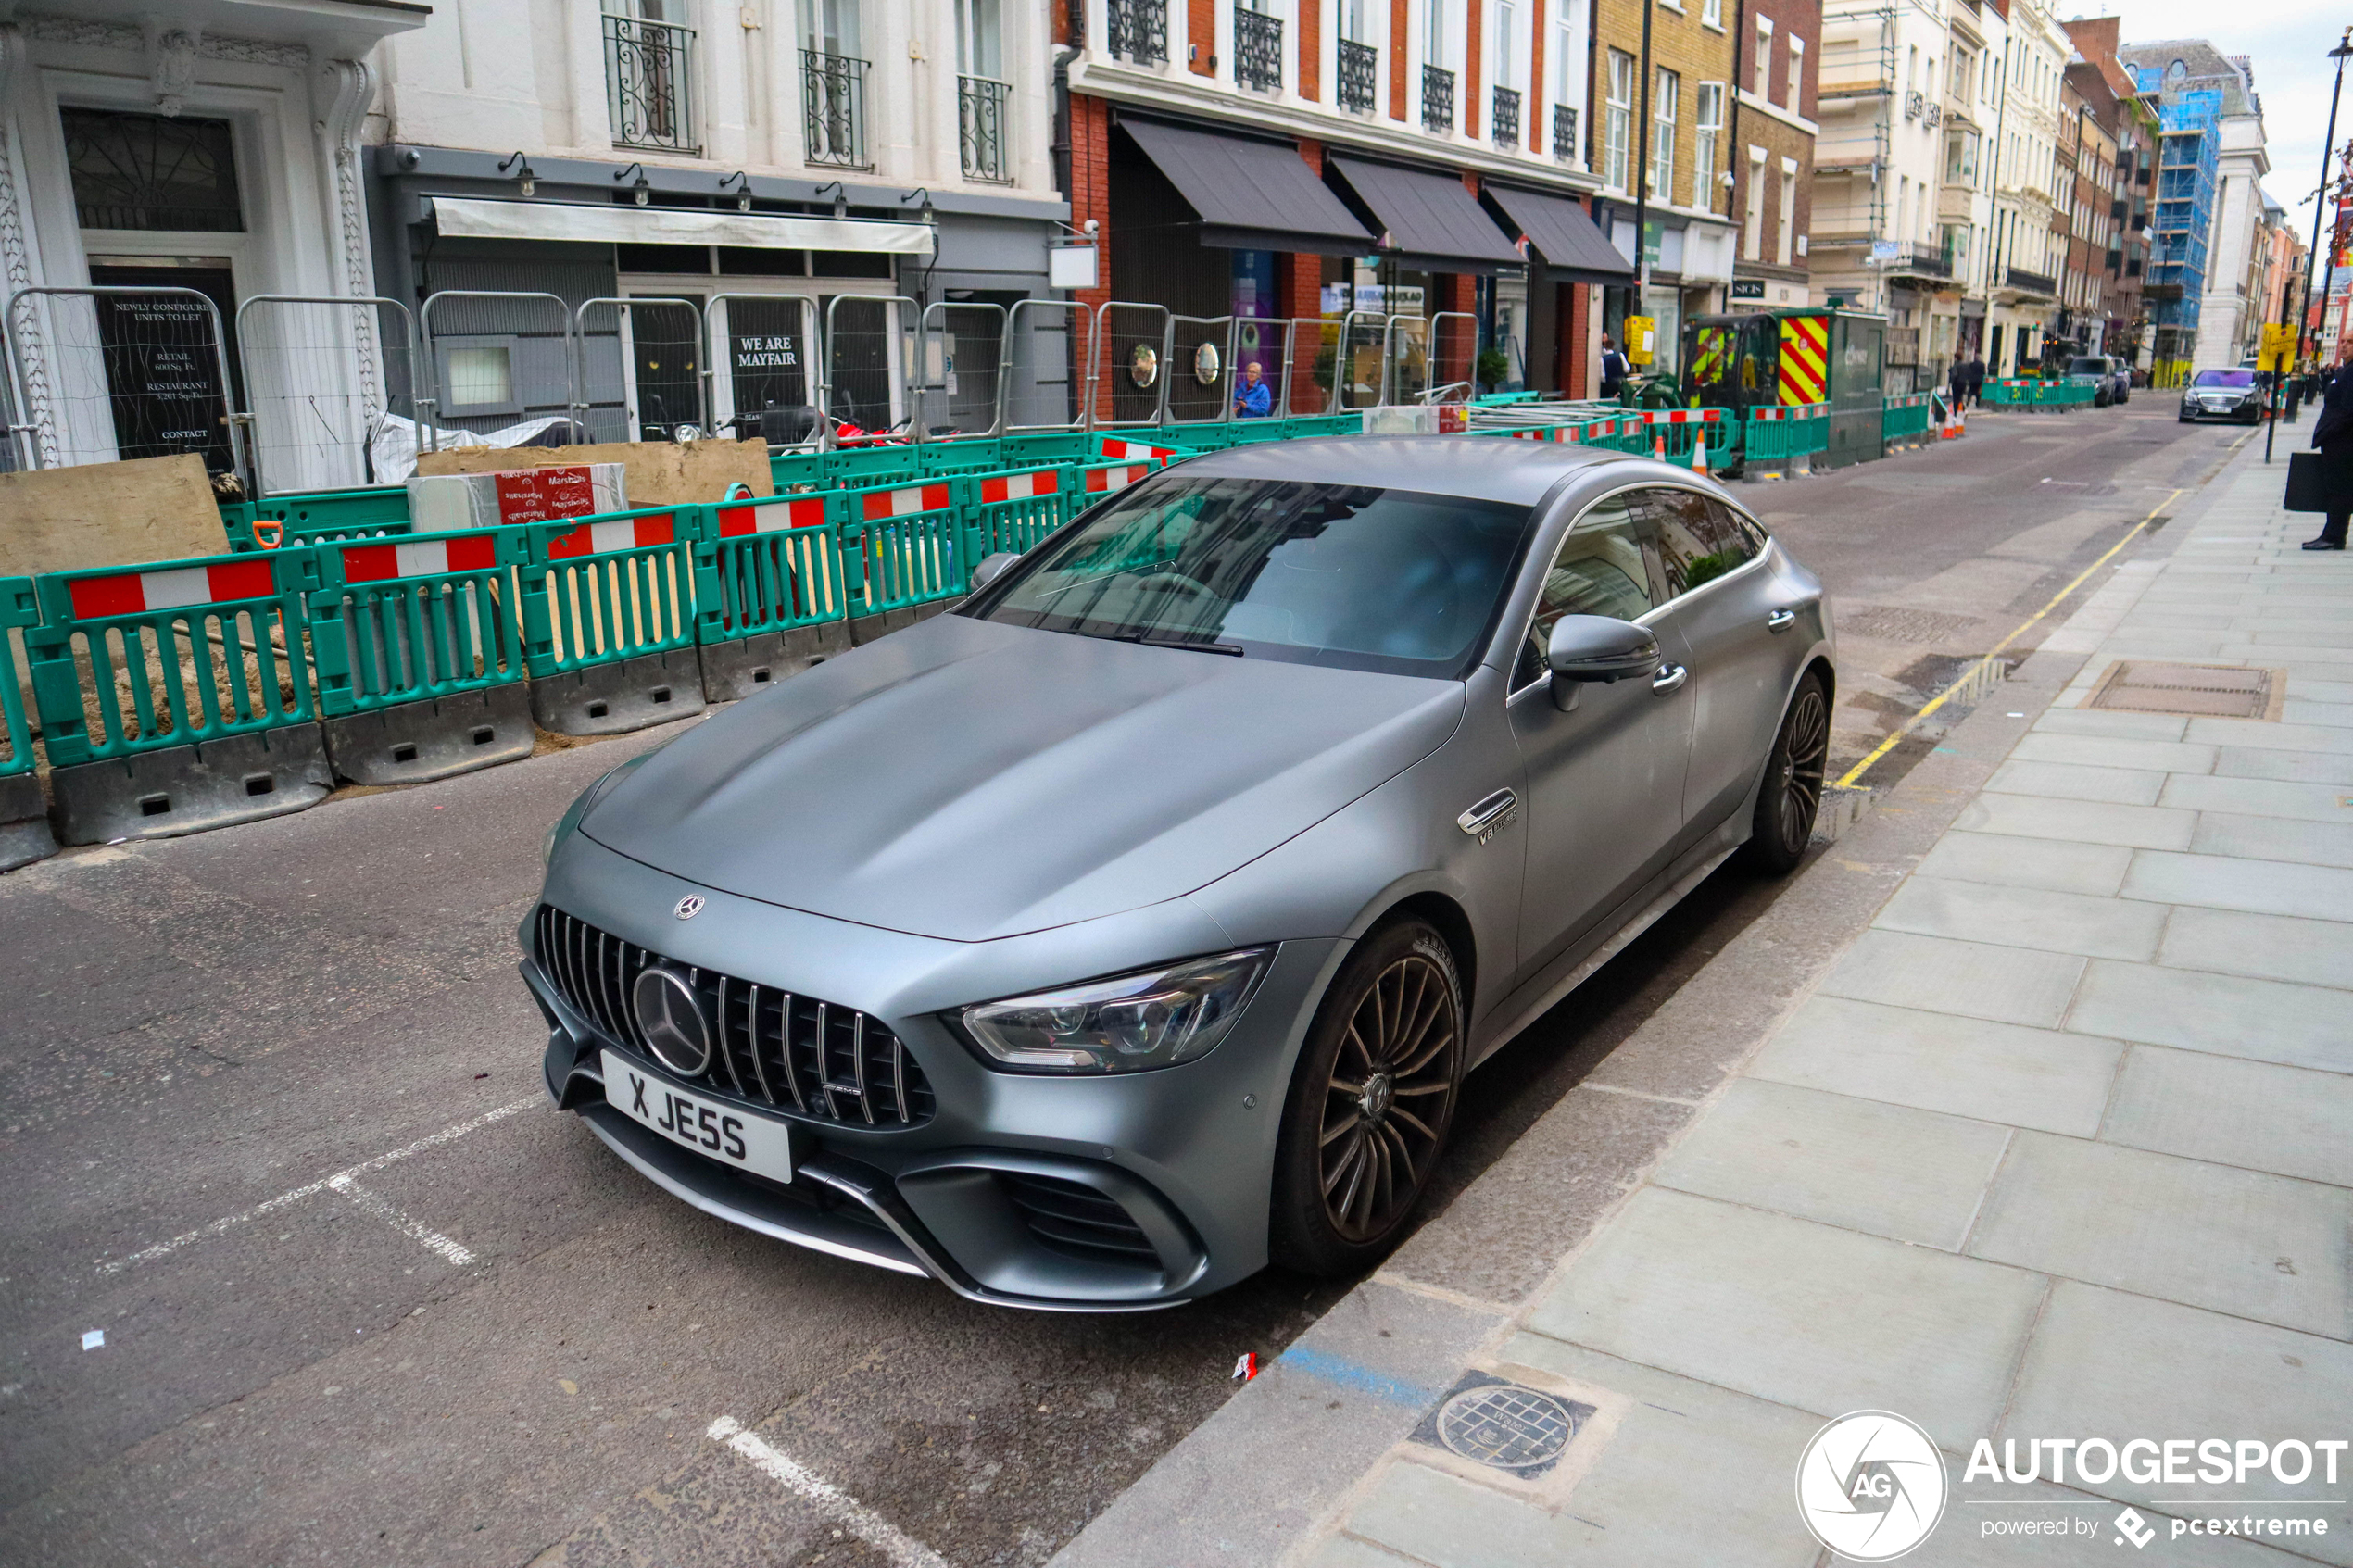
[1776, 85]
[2113, 94]
[1326, 177]
[2026, 243]
[2094, 257]
[2208, 203]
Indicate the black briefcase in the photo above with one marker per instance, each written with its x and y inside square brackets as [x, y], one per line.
[2306, 484]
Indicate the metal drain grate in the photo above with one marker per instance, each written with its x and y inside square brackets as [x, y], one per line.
[1504, 1425]
[1890, 624]
[2206, 691]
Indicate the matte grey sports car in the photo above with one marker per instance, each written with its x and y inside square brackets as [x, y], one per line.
[1133, 925]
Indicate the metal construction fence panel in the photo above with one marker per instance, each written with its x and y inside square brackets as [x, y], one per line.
[138, 659]
[958, 391]
[770, 565]
[113, 372]
[18, 611]
[663, 340]
[401, 619]
[602, 589]
[901, 547]
[321, 373]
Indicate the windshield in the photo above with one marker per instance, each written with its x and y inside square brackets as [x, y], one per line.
[1352, 576]
[2088, 367]
[2225, 378]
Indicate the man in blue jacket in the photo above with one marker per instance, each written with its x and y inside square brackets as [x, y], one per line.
[1253, 399]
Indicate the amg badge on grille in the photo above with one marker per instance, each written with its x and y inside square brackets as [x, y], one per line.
[689, 907]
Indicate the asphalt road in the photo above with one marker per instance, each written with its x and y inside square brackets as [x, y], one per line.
[272, 1126]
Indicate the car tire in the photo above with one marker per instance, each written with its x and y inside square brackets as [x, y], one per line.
[1790, 796]
[1337, 1209]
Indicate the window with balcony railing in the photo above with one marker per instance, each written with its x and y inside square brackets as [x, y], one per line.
[983, 107]
[1438, 100]
[833, 105]
[1563, 133]
[1138, 31]
[1359, 76]
[1504, 117]
[649, 84]
[1258, 49]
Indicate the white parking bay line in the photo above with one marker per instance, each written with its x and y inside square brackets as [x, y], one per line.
[431, 1141]
[830, 1500]
[415, 1230]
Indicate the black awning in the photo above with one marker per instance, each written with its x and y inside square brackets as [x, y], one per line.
[1250, 195]
[1569, 242]
[1430, 222]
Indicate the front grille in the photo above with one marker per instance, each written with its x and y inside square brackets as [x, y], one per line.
[1076, 1221]
[776, 1048]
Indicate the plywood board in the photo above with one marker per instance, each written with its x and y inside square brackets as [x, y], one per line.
[108, 514]
[660, 473]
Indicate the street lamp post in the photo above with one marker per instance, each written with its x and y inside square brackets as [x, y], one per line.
[2343, 52]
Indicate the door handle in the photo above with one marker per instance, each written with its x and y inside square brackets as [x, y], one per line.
[1781, 621]
[1670, 677]
[1489, 815]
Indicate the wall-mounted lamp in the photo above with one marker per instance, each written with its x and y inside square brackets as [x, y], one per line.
[526, 181]
[742, 196]
[929, 216]
[841, 197]
[641, 187]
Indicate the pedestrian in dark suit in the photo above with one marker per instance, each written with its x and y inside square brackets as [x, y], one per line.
[2333, 433]
[1976, 379]
[1956, 382]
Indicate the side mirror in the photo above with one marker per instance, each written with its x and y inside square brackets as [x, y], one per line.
[1599, 647]
[991, 567]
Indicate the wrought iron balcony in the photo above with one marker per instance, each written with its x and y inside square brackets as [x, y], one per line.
[1138, 31]
[833, 105]
[1504, 118]
[649, 84]
[1438, 100]
[2030, 283]
[1359, 76]
[1258, 49]
[981, 104]
[1914, 263]
[1563, 133]
[1914, 105]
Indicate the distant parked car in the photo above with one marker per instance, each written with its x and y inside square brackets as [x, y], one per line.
[2222, 395]
[2109, 381]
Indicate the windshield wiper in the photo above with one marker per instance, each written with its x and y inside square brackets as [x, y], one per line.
[1157, 640]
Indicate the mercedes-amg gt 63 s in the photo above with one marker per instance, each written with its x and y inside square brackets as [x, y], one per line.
[1133, 925]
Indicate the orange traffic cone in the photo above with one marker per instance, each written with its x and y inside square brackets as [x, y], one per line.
[1658, 446]
[1699, 452]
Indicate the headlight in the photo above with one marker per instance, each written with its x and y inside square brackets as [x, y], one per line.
[1128, 1023]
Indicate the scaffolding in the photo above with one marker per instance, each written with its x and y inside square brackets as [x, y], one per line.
[2189, 130]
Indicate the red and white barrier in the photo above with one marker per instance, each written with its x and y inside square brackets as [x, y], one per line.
[1020, 486]
[876, 505]
[1100, 481]
[619, 534]
[136, 593]
[418, 558]
[737, 521]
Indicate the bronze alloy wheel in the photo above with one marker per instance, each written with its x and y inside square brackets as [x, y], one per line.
[1805, 743]
[1388, 1098]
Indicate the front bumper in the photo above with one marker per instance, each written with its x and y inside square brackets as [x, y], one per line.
[1183, 1158]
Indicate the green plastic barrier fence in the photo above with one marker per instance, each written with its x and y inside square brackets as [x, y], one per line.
[945, 459]
[1680, 430]
[604, 587]
[1049, 446]
[19, 611]
[788, 470]
[2007, 394]
[1904, 416]
[135, 659]
[405, 620]
[848, 467]
[771, 594]
[1011, 510]
[1776, 434]
[900, 547]
[306, 517]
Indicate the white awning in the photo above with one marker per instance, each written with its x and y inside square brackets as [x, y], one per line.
[466, 218]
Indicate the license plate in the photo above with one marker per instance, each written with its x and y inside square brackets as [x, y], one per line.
[710, 1127]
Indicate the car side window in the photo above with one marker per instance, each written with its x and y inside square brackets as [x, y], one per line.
[1598, 570]
[1699, 539]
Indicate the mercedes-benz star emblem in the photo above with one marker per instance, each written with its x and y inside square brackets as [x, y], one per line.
[673, 1021]
[689, 907]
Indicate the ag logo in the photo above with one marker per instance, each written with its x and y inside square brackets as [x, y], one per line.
[1871, 1486]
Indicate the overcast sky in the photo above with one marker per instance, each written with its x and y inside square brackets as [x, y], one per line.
[2289, 41]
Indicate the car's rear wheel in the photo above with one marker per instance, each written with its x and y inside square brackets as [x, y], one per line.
[1371, 1103]
[1791, 796]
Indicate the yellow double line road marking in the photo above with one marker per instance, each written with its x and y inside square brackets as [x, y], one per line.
[1976, 671]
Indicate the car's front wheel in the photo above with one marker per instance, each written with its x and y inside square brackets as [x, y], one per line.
[1371, 1103]
[1791, 796]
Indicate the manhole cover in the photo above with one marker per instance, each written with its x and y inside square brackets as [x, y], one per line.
[2206, 691]
[1504, 1425]
[1891, 623]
